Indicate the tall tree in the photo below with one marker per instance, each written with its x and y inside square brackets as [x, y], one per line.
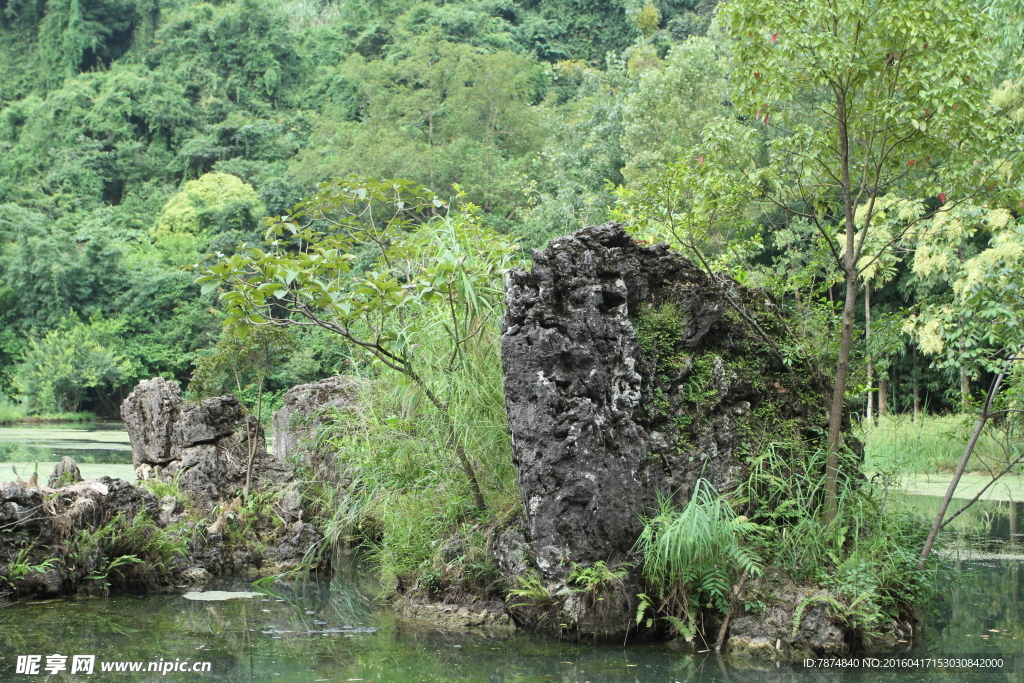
[860, 99]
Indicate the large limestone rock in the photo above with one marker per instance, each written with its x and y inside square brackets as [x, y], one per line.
[304, 410]
[208, 444]
[627, 374]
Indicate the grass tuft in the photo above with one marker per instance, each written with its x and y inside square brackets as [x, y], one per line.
[865, 558]
[696, 554]
[935, 444]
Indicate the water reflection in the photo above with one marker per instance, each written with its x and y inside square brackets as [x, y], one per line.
[984, 530]
[324, 631]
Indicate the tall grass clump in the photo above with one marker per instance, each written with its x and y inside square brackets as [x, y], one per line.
[389, 476]
[695, 555]
[865, 557]
[935, 444]
[10, 411]
[400, 490]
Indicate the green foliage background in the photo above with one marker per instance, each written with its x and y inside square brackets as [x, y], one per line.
[119, 117]
[136, 136]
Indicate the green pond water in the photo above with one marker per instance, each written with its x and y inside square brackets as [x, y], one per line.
[334, 630]
[99, 449]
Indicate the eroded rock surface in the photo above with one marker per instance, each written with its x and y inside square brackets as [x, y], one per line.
[304, 407]
[487, 617]
[208, 444]
[769, 636]
[66, 472]
[629, 373]
[56, 540]
[43, 551]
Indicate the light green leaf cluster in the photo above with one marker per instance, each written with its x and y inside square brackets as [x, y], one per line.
[211, 203]
[908, 82]
[697, 553]
[974, 308]
[56, 370]
[664, 117]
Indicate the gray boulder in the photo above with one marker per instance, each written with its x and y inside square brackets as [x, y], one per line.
[65, 472]
[207, 444]
[304, 410]
[149, 414]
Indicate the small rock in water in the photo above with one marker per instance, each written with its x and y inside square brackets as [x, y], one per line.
[211, 596]
[66, 472]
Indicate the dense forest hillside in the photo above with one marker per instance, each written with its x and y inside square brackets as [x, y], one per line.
[139, 136]
[136, 136]
[246, 195]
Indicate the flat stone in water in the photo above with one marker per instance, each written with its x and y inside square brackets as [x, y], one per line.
[212, 596]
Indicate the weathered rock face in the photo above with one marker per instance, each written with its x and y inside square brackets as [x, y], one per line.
[298, 418]
[208, 444]
[40, 528]
[627, 374]
[769, 637]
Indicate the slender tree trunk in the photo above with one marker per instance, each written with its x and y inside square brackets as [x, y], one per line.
[736, 591]
[965, 385]
[917, 390]
[453, 441]
[252, 437]
[835, 413]
[869, 413]
[968, 450]
[883, 395]
[965, 381]
[1012, 513]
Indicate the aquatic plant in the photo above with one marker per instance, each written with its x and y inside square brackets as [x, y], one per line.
[697, 553]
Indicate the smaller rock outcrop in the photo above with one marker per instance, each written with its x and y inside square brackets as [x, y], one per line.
[489, 617]
[53, 541]
[66, 472]
[208, 445]
[304, 410]
[769, 636]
